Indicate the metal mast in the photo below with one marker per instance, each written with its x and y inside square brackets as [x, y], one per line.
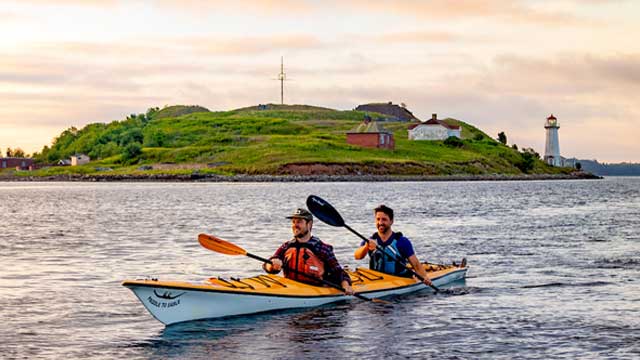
[282, 77]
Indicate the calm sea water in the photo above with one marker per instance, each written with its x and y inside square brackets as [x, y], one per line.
[554, 269]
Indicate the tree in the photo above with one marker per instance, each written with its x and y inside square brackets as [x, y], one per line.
[131, 152]
[502, 137]
[578, 166]
[527, 162]
[514, 147]
[9, 152]
[151, 112]
[19, 153]
[156, 138]
[131, 136]
[532, 152]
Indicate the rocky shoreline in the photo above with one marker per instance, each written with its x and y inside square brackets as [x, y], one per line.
[198, 177]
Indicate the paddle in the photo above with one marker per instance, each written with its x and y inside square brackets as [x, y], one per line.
[224, 247]
[328, 214]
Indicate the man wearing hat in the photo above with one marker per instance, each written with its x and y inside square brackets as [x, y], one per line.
[308, 257]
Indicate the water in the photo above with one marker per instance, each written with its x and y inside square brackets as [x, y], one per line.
[554, 269]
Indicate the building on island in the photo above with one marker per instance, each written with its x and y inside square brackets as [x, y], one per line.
[371, 134]
[392, 112]
[79, 159]
[17, 163]
[433, 129]
[552, 144]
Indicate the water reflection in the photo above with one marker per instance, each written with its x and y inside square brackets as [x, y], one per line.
[317, 325]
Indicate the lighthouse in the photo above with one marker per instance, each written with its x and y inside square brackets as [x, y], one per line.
[552, 146]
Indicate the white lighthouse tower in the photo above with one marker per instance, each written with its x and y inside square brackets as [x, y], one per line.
[552, 146]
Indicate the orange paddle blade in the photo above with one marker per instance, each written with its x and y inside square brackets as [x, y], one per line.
[218, 245]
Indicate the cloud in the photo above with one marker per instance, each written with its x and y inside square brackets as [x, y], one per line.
[588, 93]
[417, 37]
[456, 61]
[173, 49]
[9, 17]
[563, 75]
[252, 45]
[269, 7]
[78, 3]
[617, 69]
[512, 11]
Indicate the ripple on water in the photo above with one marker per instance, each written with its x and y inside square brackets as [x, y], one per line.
[553, 270]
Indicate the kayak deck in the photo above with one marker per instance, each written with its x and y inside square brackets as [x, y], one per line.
[363, 280]
[177, 301]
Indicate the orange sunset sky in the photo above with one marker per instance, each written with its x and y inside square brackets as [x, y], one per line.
[499, 65]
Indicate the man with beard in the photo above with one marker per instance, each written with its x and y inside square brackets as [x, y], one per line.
[393, 245]
[307, 259]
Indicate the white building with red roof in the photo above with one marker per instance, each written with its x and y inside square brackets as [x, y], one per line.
[433, 129]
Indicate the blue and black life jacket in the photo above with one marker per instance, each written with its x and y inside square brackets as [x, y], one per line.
[383, 261]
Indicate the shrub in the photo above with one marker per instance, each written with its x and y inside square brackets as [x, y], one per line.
[131, 152]
[527, 161]
[453, 141]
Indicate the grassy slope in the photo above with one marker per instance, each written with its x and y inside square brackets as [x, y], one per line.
[260, 141]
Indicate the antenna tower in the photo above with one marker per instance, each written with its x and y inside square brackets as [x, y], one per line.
[282, 77]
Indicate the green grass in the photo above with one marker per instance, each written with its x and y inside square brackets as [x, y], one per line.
[254, 141]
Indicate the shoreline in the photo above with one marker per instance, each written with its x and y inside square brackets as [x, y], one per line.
[196, 177]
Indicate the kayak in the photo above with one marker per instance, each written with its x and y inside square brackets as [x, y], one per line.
[172, 302]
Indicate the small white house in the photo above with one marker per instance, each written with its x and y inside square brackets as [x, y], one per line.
[79, 159]
[433, 129]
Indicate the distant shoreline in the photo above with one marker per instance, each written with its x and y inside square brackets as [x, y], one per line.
[195, 177]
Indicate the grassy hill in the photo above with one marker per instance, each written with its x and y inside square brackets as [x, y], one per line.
[281, 139]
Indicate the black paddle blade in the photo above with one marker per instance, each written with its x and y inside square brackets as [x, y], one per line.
[324, 211]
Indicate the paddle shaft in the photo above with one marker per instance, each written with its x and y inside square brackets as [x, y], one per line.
[393, 256]
[325, 282]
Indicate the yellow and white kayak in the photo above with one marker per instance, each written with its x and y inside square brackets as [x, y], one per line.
[174, 301]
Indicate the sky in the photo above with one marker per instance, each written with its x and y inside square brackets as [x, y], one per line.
[501, 65]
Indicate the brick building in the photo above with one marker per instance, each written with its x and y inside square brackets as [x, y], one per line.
[371, 134]
[17, 163]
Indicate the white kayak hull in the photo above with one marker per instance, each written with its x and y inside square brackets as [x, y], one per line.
[194, 305]
[174, 302]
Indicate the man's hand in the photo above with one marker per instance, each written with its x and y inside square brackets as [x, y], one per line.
[427, 281]
[372, 244]
[276, 265]
[348, 290]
